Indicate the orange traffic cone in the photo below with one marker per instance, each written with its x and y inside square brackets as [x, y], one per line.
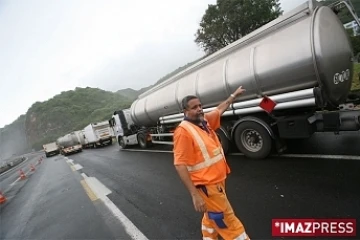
[2, 198]
[32, 167]
[22, 174]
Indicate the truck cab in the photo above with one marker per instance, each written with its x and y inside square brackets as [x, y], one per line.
[126, 131]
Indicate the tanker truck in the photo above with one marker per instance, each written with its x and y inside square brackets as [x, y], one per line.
[301, 63]
[69, 144]
[80, 134]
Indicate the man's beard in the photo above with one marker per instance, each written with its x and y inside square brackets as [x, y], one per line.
[200, 117]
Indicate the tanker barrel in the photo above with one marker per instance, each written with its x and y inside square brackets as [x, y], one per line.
[286, 97]
[306, 49]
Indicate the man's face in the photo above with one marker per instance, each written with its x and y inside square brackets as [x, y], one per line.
[194, 110]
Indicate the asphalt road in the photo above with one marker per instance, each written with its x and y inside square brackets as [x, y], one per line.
[147, 189]
[10, 177]
[53, 204]
[140, 193]
[346, 143]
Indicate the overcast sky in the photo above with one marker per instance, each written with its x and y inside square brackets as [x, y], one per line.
[50, 46]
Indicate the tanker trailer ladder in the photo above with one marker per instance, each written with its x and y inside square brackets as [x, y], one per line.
[336, 7]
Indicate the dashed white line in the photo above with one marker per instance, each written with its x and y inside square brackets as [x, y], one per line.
[144, 150]
[101, 191]
[322, 156]
[78, 167]
[319, 156]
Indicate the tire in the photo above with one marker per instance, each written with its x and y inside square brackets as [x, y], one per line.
[225, 143]
[257, 133]
[141, 137]
[122, 143]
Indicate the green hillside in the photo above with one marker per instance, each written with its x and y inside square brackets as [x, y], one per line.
[69, 111]
[356, 81]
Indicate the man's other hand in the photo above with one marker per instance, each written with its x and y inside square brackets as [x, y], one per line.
[199, 203]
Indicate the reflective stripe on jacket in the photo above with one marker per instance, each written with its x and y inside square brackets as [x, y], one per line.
[208, 161]
[210, 166]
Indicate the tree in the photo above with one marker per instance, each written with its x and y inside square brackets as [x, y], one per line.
[229, 20]
[355, 42]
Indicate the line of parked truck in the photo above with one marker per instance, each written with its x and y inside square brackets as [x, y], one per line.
[92, 136]
[302, 62]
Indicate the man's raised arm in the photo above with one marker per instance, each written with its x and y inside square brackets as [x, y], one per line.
[222, 107]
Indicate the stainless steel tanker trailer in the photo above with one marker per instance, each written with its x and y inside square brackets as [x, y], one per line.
[69, 144]
[302, 60]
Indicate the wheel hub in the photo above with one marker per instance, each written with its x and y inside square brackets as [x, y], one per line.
[251, 140]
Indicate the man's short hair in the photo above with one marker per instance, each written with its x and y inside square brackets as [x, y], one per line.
[185, 101]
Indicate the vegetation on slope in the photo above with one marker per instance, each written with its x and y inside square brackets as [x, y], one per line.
[356, 81]
[70, 111]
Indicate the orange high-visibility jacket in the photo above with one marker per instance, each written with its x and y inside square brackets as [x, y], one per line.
[200, 151]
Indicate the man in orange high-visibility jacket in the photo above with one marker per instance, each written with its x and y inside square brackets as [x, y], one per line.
[201, 165]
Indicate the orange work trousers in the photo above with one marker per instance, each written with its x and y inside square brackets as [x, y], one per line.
[219, 219]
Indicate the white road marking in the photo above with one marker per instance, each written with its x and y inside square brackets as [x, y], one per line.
[18, 179]
[101, 191]
[130, 228]
[144, 150]
[320, 156]
[77, 167]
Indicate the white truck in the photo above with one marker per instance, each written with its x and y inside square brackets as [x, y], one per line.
[98, 134]
[115, 123]
[51, 149]
[69, 144]
[301, 61]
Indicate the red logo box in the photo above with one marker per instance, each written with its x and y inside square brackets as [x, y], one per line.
[295, 227]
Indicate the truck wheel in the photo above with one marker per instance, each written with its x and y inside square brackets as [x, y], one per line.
[122, 143]
[253, 140]
[141, 137]
[223, 140]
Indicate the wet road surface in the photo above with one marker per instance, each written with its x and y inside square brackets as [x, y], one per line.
[147, 189]
[9, 178]
[346, 143]
[140, 193]
[53, 203]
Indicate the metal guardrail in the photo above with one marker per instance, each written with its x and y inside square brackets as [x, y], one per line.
[7, 165]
